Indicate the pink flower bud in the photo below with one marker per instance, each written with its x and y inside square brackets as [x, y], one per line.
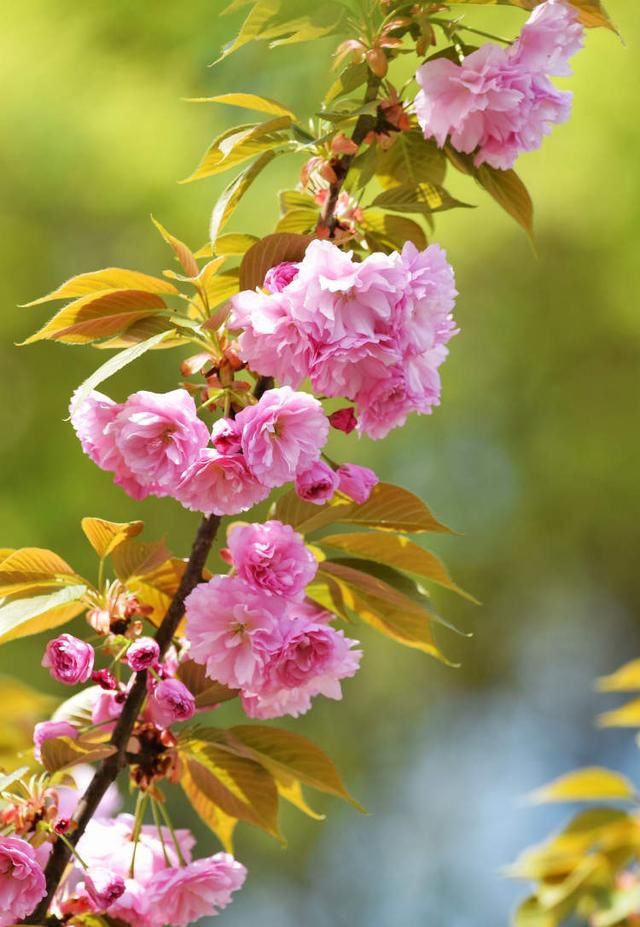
[143, 654]
[47, 730]
[170, 702]
[317, 484]
[225, 436]
[105, 679]
[103, 887]
[280, 276]
[68, 659]
[344, 420]
[356, 482]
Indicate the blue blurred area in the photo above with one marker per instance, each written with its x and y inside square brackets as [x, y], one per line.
[533, 454]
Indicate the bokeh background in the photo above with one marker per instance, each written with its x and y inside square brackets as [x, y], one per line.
[533, 453]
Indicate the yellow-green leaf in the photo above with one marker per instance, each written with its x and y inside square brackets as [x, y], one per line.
[207, 693]
[531, 914]
[288, 754]
[248, 101]
[232, 194]
[222, 825]
[62, 753]
[182, 251]
[592, 12]
[265, 254]
[424, 198]
[291, 790]
[627, 715]
[625, 679]
[393, 508]
[386, 232]
[99, 315]
[307, 517]
[298, 221]
[590, 784]
[23, 617]
[137, 558]
[100, 281]
[384, 608]
[411, 159]
[237, 145]
[104, 536]
[396, 551]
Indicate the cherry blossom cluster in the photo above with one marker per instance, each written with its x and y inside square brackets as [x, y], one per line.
[254, 631]
[499, 102]
[371, 331]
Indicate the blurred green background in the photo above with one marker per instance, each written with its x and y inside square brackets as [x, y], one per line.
[533, 453]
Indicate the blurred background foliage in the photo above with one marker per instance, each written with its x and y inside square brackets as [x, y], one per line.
[533, 454]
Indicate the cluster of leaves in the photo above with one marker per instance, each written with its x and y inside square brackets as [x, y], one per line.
[589, 871]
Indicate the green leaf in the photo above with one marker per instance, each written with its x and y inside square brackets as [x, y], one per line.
[248, 101]
[591, 784]
[23, 617]
[384, 608]
[242, 788]
[530, 913]
[386, 232]
[142, 330]
[100, 281]
[287, 754]
[99, 315]
[265, 254]
[411, 160]
[62, 753]
[241, 144]
[105, 536]
[232, 194]
[425, 198]
[114, 364]
[396, 551]
[298, 221]
[353, 76]
[592, 12]
[253, 26]
[207, 693]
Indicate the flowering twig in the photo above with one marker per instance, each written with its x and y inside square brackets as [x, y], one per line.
[108, 770]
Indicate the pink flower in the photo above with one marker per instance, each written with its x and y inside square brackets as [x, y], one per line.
[424, 319]
[48, 730]
[159, 436]
[22, 883]
[180, 896]
[317, 484]
[356, 482]
[220, 485]
[499, 102]
[143, 654]
[282, 435]
[107, 706]
[225, 436]
[91, 419]
[171, 702]
[272, 557]
[343, 420]
[280, 276]
[104, 887]
[229, 626]
[310, 659]
[68, 659]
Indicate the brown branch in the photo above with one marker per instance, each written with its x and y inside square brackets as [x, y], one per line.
[107, 772]
[342, 165]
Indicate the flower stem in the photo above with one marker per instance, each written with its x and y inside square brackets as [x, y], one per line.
[169, 823]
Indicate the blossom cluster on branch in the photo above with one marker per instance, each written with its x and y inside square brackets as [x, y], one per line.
[339, 320]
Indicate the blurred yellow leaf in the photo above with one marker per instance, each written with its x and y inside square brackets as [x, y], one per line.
[593, 783]
[627, 715]
[100, 281]
[25, 616]
[625, 679]
[105, 536]
[247, 101]
[222, 825]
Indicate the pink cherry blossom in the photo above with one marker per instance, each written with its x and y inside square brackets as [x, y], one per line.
[22, 883]
[68, 659]
[171, 702]
[282, 435]
[500, 102]
[220, 484]
[229, 627]
[317, 484]
[159, 435]
[48, 730]
[356, 482]
[143, 654]
[179, 896]
[272, 557]
[310, 659]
